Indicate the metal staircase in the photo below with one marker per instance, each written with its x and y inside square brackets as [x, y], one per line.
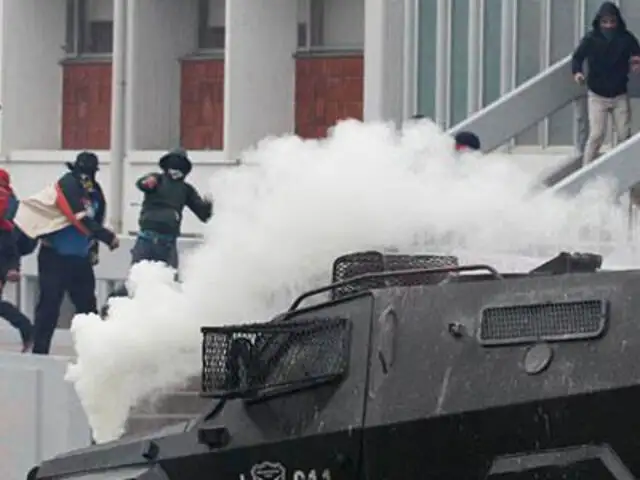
[621, 164]
[524, 106]
[535, 100]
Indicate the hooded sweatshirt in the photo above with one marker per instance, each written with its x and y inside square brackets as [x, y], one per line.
[165, 198]
[607, 57]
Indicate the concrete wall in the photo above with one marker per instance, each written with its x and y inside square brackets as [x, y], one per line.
[41, 416]
[33, 35]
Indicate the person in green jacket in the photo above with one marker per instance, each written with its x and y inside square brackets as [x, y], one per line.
[166, 194]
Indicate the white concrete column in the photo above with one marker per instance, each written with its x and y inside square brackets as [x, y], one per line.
[118, 114]
[259, 80]
[160, 34]
[410, 55]
[384, 57]
[33, 34]
[131, 59]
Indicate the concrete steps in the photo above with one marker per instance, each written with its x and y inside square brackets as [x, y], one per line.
[176, 407]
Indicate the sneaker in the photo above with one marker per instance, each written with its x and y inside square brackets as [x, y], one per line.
[27, 346]
[27, 339]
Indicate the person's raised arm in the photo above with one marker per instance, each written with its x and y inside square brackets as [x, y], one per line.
[148, 183]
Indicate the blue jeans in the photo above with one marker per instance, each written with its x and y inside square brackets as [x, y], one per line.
[155, 249]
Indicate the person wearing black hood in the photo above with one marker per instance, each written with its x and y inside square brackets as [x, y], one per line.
[610, 51]
[165, 196]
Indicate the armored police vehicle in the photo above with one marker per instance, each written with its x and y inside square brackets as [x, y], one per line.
[411, 367]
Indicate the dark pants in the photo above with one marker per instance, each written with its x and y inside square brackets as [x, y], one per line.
[24, 244]
[17, 319]
[8, 311]
[57, 275]
[158, 250]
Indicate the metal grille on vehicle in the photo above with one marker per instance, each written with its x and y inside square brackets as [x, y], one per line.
[256, 359]
[354, 264]
[555, 321]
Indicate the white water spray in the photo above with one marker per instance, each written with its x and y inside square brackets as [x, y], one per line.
[282, 218]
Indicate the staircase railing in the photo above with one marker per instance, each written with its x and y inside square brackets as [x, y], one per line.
[621, 164]
[523, 107]
[571, 165]
[535, 100]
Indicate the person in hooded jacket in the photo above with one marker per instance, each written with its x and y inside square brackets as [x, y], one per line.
[166, 194]
[10, 260]
[611, 52]
[67, 218]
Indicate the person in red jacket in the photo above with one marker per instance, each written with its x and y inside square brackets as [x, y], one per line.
[10, 260]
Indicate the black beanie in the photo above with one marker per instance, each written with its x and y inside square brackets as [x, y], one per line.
[176, 159]
[467, 140]
[86, 162]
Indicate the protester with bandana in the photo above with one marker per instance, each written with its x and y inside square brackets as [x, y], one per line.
[165, 196]
[67, 218]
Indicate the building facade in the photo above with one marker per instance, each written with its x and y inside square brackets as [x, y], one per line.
[131, 79]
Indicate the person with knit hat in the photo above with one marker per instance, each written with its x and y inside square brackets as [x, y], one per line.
[67, 219]
[166, 194]
[467, 141]
[10, 260]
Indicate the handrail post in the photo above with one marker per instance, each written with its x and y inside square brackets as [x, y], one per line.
[118, 115]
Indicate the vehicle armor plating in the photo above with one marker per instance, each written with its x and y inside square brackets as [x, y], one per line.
[411, 367]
